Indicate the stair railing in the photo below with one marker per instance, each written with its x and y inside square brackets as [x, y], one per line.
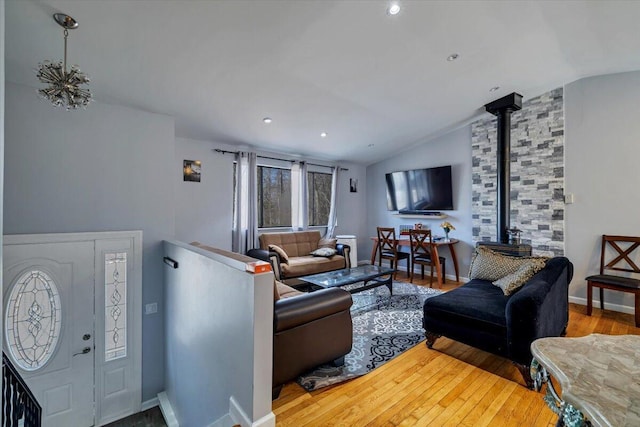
[19, 406]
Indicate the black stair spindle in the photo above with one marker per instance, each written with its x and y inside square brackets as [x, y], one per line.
[18, 401]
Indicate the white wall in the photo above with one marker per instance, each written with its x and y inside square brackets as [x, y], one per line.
[352, 207]
[204, 209]
[104, 169]
[219, 341]
[602, 144]
[452, 149]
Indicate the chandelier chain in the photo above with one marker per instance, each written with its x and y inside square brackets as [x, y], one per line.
[66, 35]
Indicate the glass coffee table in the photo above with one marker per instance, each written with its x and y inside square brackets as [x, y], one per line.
[371, 277]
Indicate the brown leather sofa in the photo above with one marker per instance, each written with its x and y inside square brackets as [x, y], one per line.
[309, 329]
[290, 254]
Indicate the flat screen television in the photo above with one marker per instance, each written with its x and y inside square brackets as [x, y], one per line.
[420, 190]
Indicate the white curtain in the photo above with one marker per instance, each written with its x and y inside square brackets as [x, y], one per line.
[245, 230]
[333, 212]
[299, 197]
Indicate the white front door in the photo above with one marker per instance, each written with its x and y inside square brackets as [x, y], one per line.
[73, 323]
[49, 326]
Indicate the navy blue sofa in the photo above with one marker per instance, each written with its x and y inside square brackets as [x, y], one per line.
[480, 315]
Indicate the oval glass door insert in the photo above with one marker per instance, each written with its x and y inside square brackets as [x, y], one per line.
[33, 319]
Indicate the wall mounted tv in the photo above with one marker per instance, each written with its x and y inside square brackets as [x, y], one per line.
[420, 190]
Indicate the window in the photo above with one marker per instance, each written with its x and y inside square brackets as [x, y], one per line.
[115, 305]
[319, 185]
[32, 322]
[274, 197]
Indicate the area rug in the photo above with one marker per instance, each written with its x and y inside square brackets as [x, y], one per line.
[383, 327]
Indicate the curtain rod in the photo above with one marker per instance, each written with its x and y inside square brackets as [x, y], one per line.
[217, 150]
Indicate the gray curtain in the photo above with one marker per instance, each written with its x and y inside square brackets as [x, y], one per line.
[299, 200]
[245, 222]
[333, 212]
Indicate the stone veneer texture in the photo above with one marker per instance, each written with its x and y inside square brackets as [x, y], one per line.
[537, 174]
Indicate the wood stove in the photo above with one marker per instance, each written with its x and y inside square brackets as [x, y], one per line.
[503, 108]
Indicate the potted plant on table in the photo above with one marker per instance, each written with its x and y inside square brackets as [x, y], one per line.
[447, 227]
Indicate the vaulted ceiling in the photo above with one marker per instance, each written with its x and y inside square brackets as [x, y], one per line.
[376, 83]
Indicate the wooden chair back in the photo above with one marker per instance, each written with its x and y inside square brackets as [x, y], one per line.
[388, 249]
[387, 242]
[421, 242]
[623, 259]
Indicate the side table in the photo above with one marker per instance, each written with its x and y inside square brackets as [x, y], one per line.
[599, 375]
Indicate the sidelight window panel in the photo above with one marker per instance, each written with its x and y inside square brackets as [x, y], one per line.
[115, 305]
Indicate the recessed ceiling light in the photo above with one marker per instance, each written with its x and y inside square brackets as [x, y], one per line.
[323, 134]
[452, 57]
[394, 8]
[495, 88]
[267, 120]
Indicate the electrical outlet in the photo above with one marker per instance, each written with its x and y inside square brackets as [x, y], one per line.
[151, 308]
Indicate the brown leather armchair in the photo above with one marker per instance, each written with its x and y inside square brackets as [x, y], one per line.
[309, 329]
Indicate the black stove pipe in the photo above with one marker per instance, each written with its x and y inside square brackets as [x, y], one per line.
[502, 109]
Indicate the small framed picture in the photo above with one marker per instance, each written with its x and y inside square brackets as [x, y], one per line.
[191, 170]
[353, 185]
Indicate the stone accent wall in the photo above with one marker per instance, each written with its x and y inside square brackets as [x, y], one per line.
[537, 174]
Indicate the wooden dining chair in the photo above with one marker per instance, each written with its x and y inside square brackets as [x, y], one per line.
[622, 260]
[388, 248]
[421, 253]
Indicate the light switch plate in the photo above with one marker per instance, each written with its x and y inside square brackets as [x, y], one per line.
[151, 308]
[568, 198]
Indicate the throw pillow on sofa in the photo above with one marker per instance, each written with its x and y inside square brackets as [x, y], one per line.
[489, 265]
[283, 255]
[327, 243]
[514, 281]
[324, 252]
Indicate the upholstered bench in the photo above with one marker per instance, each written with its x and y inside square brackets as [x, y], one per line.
[480, 314]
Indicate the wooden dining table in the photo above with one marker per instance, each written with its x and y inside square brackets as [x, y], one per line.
[450, 243]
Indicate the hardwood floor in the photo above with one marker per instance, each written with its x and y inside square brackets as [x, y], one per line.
[451, 385]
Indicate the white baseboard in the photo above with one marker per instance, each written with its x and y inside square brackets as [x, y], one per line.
[268, 420]
[240, 417]
[167, 411]
[148, 404]
[236, 415]
[225, 421]
[607, 306]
